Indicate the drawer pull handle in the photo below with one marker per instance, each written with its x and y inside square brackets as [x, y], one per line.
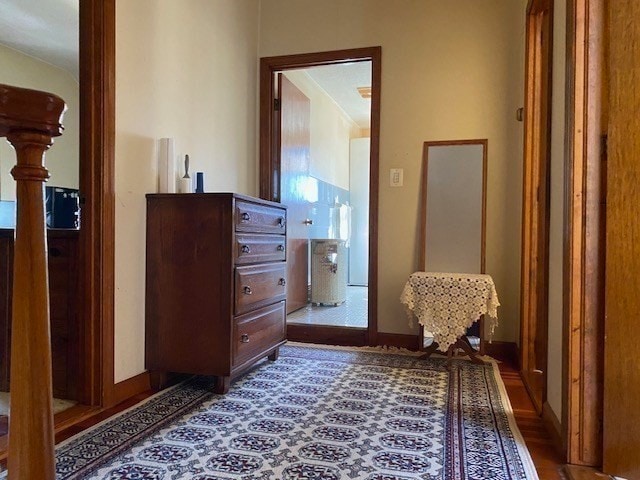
[244, 338]
[281, 248]
[245, 217]
[282, 282]
[247, 290]
[245, 249]
[281, 222]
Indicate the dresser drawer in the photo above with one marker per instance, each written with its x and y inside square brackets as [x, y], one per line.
[257, 331]
[259, 248]
[251, 217]
[259, 285]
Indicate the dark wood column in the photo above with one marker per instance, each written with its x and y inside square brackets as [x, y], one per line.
[30, 119]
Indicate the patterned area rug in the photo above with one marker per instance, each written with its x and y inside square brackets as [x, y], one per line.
[315, 414]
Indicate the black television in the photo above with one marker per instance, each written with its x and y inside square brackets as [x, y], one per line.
[62, 207]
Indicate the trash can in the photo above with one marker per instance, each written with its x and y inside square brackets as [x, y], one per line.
[328, 272]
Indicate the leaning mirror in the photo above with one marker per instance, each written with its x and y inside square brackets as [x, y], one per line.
[453, 213]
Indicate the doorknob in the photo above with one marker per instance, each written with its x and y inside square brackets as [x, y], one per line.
[308, 221]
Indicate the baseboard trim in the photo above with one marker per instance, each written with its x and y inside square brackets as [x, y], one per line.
[553, 426]
[327, 334]
[399, 340]
[577, 472]
[130, 387]
[506, 352]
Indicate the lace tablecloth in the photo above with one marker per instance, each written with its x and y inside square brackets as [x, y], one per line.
[446, 304]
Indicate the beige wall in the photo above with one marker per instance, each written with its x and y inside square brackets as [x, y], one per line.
[22, 70]
[331, 130]
[450, 70]
[186, 70]
[554, 369]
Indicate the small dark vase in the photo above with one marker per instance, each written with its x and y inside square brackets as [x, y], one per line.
[199, 182]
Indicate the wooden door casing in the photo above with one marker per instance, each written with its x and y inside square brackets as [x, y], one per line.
[535, 209]
[269, 167]
[295, 145]
[584, 242]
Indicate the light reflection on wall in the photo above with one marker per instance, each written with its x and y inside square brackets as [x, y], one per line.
[307, 187]
[341, 223]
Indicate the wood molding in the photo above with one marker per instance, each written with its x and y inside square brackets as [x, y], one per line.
[584, 217]
[553, 426]
[399, 340]
[97, 187]
[374, 183]
[269, 167]
[327, 335]
[536, 200]
[72, 416]
[130, 387]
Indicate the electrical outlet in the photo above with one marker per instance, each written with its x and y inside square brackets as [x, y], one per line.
[396, 177]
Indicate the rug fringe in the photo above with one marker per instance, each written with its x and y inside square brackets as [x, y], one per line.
[381, 349]
[375, 349]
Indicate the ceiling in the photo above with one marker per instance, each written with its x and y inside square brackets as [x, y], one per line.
[44, 29]
[341, 83]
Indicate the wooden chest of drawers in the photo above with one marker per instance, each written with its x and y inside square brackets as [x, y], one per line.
[215, 286]
[63, 249]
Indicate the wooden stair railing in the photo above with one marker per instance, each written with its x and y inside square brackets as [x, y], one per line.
[29, 120]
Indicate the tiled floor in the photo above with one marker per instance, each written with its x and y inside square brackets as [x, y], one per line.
[352, 313]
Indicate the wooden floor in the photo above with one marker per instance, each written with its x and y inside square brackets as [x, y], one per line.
[547, 461]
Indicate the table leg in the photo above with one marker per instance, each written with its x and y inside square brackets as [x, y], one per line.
[429, 350]
[465, 345]
[462, 343]
[450, 352]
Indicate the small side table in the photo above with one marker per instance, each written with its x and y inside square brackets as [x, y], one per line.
[447, 304]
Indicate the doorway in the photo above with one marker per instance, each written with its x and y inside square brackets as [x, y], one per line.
[319, 156]
[93, 258]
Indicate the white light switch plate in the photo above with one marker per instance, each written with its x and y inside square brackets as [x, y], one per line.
[396, 177]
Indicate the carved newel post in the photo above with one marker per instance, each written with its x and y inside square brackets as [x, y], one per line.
[30, 119]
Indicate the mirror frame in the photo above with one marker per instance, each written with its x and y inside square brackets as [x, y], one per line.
[423, 200]
[423, 215]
